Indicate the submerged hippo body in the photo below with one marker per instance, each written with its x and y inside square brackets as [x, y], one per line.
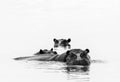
[71, 57]
[45, 51]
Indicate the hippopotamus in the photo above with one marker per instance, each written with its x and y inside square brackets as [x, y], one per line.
[46, 51]
[70, 57]
[74, 57]
[64, 43]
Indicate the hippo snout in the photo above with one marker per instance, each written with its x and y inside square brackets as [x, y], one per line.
[77, 57]
[79, 62]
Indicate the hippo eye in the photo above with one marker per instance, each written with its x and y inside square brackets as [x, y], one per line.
[73, 56]
[82, 55]
[68, 40]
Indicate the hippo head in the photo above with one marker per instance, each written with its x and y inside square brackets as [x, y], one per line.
[77, 57]
[45, 51]
[62, 43]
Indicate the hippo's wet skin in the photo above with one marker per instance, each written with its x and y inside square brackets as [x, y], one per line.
[74, 57]
[64, 43]
[71, 57]
[45, 51]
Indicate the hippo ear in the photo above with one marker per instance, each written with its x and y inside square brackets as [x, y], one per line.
[55, 52]
[51, 49]
[69, 40]
[87, 50]
[41, 51]
[68, 52]
[54, 39]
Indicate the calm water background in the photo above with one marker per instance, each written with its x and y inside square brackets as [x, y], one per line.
[28, 25]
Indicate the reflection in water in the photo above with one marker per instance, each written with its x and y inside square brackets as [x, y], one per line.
[77, 69]
[72, 72]
[77, 72]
